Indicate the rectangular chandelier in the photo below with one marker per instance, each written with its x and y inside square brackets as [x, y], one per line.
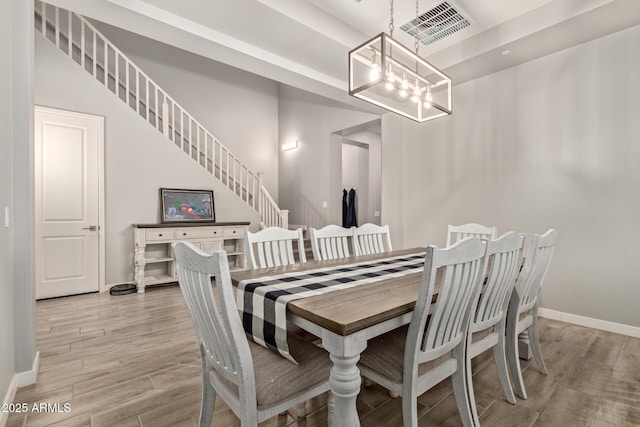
[385, 73]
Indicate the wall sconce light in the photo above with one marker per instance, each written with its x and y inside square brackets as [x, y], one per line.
[290, 145]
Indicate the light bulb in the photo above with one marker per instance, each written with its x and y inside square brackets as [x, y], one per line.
[374, 74]
[427, 104]
[405, 84]
[403, 93]
[429, 97]
[389, 83]
[416, 93]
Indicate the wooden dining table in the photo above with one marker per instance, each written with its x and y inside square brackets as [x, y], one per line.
[346, 319]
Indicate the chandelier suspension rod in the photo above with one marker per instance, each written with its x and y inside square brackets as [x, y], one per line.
[416, 37]
[391, 27]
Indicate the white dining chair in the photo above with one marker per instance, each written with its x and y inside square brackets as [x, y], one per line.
[330, 242]
[523, 306]
[371, 239]
[273, 247]
[256, 383]
[488, 324]
[456, 233]
[411, 360]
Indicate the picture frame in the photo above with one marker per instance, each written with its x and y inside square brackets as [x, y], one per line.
[179, 205]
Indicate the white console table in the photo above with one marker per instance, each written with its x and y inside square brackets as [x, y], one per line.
[154, 260]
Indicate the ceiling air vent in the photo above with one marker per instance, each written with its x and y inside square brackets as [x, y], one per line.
[436, 24]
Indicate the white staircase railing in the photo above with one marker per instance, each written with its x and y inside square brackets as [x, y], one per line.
[85, 45]
[271, 215]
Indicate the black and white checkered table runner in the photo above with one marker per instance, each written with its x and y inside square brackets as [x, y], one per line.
[262, 302]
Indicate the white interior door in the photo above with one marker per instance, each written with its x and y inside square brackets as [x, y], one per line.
[68, 202]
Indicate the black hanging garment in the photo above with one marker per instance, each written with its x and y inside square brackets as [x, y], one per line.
[344, 208]
[352, 221]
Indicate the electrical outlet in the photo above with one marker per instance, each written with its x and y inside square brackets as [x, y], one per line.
[325, 204]
[376, 213]
[7, 220]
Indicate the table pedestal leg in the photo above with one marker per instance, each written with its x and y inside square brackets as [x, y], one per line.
[345, 386]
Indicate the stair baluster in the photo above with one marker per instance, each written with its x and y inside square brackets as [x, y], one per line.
[84, 44]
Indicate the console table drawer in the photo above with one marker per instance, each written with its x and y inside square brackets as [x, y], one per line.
[186, 234]
[234, 231]
[165, 234]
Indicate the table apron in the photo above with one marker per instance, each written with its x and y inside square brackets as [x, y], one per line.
[352, 344]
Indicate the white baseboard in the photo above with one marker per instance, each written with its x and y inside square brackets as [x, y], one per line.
[8, 398]
[589, 322]
[26, 378]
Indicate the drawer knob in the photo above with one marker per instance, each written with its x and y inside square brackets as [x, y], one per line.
[184, 234]
[160, 234]
[234, 231]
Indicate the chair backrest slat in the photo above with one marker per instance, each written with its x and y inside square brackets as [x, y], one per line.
[368, 244]
[335, 247]
[436, 330]
[330, 242]
[261, 253]
[455, 233]
[371, 239]
[504, 257]
[538, 258]
[279, 253]
[287, 250]
[216, 320]
[274, 247]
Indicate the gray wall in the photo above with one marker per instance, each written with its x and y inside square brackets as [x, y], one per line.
[138, 159]
[355, 174]
[549, 143]
[7, 344]
[23, 267]
[312, 173]
[372, 141]
[239, 108]
[17, 305]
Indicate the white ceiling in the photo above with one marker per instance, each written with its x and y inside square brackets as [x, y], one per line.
[304, 43]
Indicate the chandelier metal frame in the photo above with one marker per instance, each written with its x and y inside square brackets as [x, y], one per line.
[385, 73]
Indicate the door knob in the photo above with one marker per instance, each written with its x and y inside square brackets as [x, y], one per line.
[91, 228]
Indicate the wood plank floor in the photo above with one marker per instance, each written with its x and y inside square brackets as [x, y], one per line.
[132, 360]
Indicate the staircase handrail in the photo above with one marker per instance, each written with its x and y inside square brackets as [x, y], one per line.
[273, 216]
[207, 151]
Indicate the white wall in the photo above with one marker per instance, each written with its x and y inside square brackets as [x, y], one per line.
[138, 159]
[239, 108]
[312, 173]
[549, 143]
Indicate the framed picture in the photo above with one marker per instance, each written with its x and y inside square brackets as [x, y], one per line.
[187, 205]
